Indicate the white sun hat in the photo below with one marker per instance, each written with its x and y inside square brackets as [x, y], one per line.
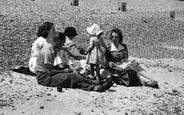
[94, 29]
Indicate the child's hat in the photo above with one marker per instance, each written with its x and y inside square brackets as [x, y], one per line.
[94, 29]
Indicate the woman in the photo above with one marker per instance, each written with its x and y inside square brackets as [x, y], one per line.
[130, 73]
[48, 75]
[76, 58]
[45, 31]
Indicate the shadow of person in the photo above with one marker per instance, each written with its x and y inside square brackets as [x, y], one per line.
[23, 70]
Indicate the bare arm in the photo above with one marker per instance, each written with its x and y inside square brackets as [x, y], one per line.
[74, 52]
[103, 44]
[91, 45]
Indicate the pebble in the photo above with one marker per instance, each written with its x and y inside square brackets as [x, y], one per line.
[174, 91]
[49, 94]
[41, 107]
[166, 83]
[170, 70]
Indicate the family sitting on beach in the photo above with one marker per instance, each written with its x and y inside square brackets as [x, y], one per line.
[57, 62]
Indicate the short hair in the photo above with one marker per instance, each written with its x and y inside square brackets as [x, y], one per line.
[44, 29]
[58, 36]
[117, 31]
[70, 31]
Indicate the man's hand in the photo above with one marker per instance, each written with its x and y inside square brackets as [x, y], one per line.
[68, 70]
[112, 64]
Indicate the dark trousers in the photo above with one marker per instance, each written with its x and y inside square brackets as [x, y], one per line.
[65, 80]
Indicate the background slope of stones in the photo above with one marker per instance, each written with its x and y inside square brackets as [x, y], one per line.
[147, 27]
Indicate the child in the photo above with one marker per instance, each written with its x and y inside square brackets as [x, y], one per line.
[95, 52]
[45, 31]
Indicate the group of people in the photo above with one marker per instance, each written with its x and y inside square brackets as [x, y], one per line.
[57, 62]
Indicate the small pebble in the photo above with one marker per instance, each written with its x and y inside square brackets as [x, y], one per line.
[41, 107]
[174, 90]
[49, 94]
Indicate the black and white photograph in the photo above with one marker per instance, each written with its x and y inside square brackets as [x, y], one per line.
[91, 57]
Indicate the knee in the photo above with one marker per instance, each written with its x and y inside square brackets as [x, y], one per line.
[75, 75]
[139, 66]
[136, 63]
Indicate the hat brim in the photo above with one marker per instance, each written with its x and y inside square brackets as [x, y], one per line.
[99, 31]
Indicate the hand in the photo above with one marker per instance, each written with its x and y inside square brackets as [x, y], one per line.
[112, 64]
[64, 48]
[68, 70]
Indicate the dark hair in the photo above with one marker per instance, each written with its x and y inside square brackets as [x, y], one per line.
[70, 31]
[44, 29]
[58, 36]
[117, 31]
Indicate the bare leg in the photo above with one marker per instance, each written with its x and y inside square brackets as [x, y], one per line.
[142, 72]
[98, 71]
[146, 75]
[92, 71]
[146, 78]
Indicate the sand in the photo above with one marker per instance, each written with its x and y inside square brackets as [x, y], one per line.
[21, 95]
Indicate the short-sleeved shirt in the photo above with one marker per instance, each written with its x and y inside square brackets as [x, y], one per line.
[72, 49]
[37, 46]
[45, 56]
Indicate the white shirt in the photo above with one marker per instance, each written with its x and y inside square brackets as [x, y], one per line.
[37, 46]
[114, 48]
[68, 41]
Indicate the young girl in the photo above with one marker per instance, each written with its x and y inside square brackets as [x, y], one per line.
[45, 31]
[95, 52]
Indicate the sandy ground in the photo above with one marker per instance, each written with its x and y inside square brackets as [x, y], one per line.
[21, 95]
